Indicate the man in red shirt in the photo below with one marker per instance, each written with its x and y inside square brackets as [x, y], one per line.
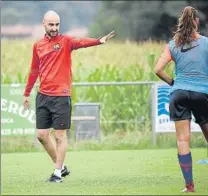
[51, 62]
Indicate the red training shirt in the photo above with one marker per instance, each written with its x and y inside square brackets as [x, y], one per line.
[51, 61]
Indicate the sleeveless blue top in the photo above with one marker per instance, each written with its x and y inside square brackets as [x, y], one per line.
[191, 65]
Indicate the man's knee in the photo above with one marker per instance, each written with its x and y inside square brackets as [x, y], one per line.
[60, 136]
[43, 135]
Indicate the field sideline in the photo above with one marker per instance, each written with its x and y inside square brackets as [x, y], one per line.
[125, 172]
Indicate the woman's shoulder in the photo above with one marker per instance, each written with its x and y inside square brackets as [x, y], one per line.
[203, 37]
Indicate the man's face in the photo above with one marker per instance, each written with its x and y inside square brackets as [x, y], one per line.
[52, 27]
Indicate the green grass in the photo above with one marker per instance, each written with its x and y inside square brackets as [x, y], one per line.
[117, 141]
[131, 172]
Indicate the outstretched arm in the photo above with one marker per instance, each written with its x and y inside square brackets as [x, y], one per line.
[163, 61]
[88, 42]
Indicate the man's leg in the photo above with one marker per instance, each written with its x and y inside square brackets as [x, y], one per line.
[184, 154]
[61, 148]
[43, 124]
[61, 120]
[47, 141]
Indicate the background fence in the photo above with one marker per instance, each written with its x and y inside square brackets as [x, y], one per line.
[124, 106]
[119, 107]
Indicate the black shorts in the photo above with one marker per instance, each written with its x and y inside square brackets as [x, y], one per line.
[53, 112]
[184, 103]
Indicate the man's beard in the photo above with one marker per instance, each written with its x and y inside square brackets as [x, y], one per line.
[52, 33]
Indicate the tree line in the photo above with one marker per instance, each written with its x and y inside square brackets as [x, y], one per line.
[141, 20]
[132, 20]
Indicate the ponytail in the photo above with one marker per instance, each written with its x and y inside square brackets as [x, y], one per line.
[186, 26]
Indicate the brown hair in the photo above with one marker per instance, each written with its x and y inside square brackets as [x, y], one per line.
[186, 26]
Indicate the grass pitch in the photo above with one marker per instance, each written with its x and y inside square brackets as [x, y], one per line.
[124, 172]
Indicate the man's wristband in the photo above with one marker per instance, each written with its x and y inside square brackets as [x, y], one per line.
[171, 84]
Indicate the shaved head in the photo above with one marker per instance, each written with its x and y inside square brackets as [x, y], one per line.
[51, 22]
[51, 15]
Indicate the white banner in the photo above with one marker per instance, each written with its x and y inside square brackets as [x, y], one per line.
[161, 111]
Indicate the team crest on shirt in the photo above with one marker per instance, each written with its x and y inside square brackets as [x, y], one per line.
[65, 91]
[56, 46]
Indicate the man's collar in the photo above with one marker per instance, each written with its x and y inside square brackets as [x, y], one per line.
[52, 38]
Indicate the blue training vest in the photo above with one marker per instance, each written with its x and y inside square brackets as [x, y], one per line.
[191, 65]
